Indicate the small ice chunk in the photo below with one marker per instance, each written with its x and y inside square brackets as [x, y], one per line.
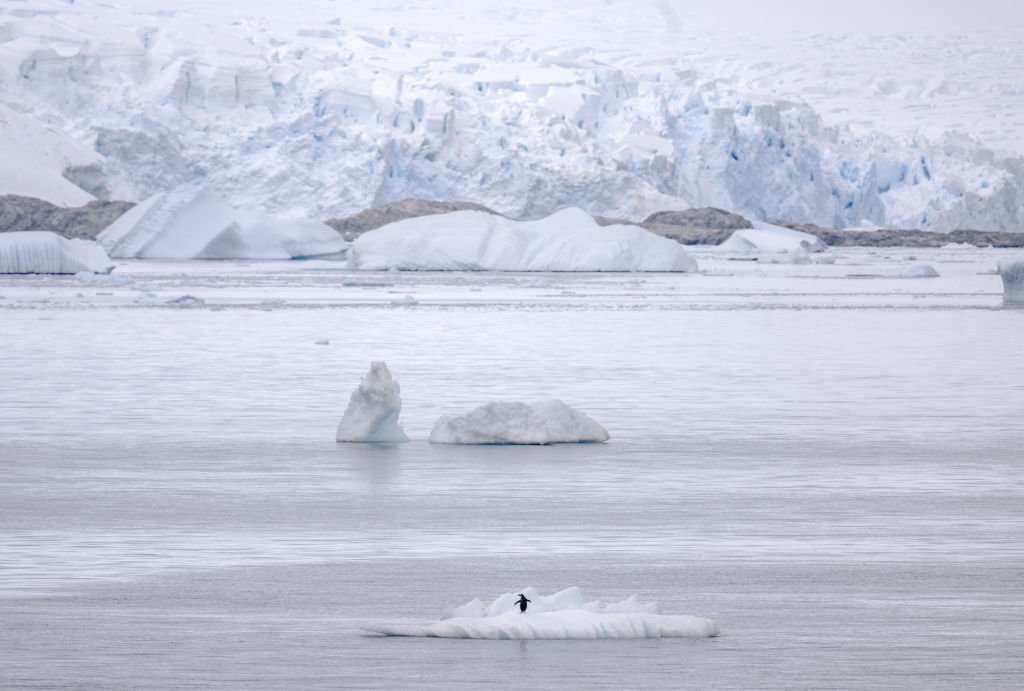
[563, 615]
[512, 422]
[43, 252]
[187, 302]
[373, 409]
[1012, 272]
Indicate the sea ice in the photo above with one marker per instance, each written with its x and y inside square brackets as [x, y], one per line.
[373, 409]
[510, 422]
[563, 615]
[569, 240]
[191, 222]
[43, 252]
[1012, 272]
[911, 271]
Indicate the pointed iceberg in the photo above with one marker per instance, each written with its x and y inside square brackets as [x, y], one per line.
[1012, 272]
[190, 222]
[373, 409]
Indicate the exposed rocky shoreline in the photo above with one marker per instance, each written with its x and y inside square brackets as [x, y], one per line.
[705, 226]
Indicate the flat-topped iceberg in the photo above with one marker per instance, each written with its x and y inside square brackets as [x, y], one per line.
[191, 222]
[765, 238]
[373, 409]
[43, 252]
[568, 240]
[563, 615]
[1012, 272]
[902, 271]
[512, 422]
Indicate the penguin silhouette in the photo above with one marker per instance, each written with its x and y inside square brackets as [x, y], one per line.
[522, 603]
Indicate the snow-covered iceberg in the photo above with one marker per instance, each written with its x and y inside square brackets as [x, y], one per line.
[563, 615]
[43, 252]
[191, 222]
[766, 238]
[511, 422]
[1012, 272]
[568, 240]
[373, 409]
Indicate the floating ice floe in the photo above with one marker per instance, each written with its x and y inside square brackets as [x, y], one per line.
[765, 238]
[569, 240]
[43, 252]
[186, 302]
[373, 409]
[911, 271]
[511, 422]
[1012, 272]
[563, 615]
[191, 222]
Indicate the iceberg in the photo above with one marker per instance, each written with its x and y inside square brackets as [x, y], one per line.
[1012, 272]
[373, 409]
[43, 252]
[191, 222]
[563, 615]
[568, 240]
[768, 238]
[510, 422]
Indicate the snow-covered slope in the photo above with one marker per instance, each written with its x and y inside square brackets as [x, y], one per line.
[196, 223]
[569, 240]
[43, 252]
[562, 615]
[619, 108]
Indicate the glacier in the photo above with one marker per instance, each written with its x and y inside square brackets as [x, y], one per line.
[568, 240]
[373, 409]
[1012, 273]
[563, 615]
[323, 114]
[192, 222]
[43, 252]
[514, 422]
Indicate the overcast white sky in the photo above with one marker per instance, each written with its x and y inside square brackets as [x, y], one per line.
[861, 16]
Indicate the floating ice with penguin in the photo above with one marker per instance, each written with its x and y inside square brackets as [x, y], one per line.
[43, 252]
[563, 615]
[513, 422]
[373, 409]
[1012, 272]
[568, 240]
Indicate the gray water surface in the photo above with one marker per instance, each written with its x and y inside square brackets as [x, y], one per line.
[840, 489]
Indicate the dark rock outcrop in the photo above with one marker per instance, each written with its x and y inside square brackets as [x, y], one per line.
[708, 218]
[28, 213]
[907, 238]
[352, 227]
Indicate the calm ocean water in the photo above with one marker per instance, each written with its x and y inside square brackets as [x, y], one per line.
[830, 468]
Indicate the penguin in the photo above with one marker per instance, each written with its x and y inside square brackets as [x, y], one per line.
[522, 603]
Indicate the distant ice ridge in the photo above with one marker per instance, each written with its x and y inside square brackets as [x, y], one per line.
[373, 409]
[511, 422]
[569, 240]
[43, 252]
[563, 615]
[1012, 273]
[323, 115]
[190, 222]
